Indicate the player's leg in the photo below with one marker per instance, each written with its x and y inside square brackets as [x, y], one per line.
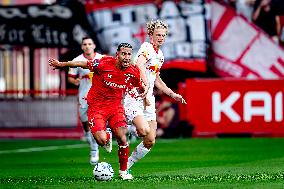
[142, 126]
[97, 123]
[84, 120]
[94, 154]
[132, 134]
[123, 151]
[149, 140]
[119, 128]
[145, 146]
[134, 113]
[108, 145]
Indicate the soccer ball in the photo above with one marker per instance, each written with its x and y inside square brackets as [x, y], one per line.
[103, 171]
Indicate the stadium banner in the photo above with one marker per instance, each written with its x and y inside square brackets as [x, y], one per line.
[125, 21]
[242, 50]
[43, 25]
[216, 106]
[281, 33]
[49, 118]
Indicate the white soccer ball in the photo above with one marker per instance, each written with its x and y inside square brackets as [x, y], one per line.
[103, 171]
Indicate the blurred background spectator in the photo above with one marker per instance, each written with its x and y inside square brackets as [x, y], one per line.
[245, 7]
[167, 115]
[280, 30]
[266, 14]
[265, 18]
[169, 124]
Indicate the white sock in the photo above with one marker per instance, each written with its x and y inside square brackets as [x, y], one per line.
[139, 152]
[92, 142]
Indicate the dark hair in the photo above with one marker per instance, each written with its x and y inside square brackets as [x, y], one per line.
[86, 37]
[126, 45]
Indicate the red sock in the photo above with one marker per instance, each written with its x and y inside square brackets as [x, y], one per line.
[123, 152]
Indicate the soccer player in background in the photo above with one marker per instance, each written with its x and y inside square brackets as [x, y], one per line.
[83, 78]
[112, 77]
[142, 112]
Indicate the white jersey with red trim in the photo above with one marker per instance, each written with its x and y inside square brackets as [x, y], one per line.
[135, 106]
[155, 60]
[85, 78]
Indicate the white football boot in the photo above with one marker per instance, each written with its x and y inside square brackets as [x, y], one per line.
[125, 175]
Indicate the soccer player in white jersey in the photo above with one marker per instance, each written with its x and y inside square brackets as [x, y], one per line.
[83, 78]
[142, 112]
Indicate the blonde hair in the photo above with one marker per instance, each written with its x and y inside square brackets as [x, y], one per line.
[154, 24]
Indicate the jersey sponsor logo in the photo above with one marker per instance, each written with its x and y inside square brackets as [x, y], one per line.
[114, 85]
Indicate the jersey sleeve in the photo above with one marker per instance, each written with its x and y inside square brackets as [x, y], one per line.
[132, 77]
[144, 51]
[73, 72]
[99, 56]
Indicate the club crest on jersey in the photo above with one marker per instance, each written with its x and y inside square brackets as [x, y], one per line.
[96, 63]
[93, 63]
[154, 69]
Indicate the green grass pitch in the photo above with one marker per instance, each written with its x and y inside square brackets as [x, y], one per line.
[174, 163]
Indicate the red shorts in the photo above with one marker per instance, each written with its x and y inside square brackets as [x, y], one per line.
[99, 116]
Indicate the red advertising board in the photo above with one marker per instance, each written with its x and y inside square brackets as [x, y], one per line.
[235, 106]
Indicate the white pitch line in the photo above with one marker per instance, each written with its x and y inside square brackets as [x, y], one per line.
[39, 149]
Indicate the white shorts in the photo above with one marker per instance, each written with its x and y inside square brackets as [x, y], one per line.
[83, 114]
[134, 107]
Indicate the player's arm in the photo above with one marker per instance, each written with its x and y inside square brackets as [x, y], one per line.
[141, 61]
[74, 81]
[73, 78]
[256, 13]
[56, 64]
[160, 84]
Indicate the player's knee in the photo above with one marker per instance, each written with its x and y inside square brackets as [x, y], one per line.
[100, 138]
[149, 143]
[120, 135]
[101, 141]
[121, 139]
[142, 132]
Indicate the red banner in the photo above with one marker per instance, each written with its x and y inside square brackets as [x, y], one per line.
[235, 106]
[242, 50]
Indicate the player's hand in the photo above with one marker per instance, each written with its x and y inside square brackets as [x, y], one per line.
[77, 81]
[145, 91]
[264, 3]
[54, 63]
[146, 102]
[178, 97]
